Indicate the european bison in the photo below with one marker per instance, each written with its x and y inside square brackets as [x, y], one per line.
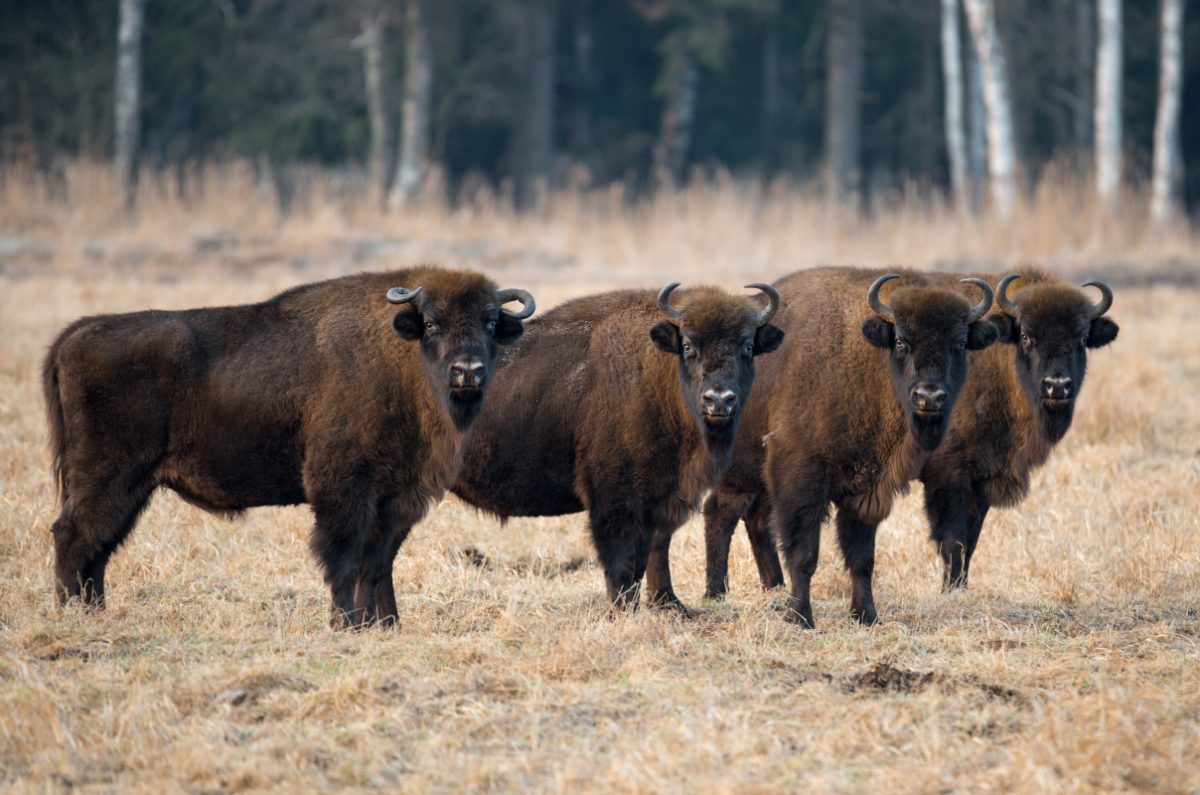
[1014, 410]
[605, 406]
[849, 417]
[1020, 406]
[316, 396]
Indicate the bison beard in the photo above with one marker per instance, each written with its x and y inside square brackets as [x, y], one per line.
[313, 396]
[843, 422]
[604, 406]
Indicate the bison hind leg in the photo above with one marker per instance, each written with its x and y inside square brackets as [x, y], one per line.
[93, 523]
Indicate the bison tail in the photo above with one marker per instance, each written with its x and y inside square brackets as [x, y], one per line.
[55, 419]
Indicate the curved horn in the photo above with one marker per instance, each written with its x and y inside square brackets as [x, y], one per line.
[766, 313]
[528, 305]
[664, 300]
[1007, 304]
[980, 309]
[398, 295]
[881, 309]
[1105, 298]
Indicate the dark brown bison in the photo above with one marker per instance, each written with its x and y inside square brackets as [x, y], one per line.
[317, 395]
[1014, 409]
[847, 418]
[605, 406]
[1020, 406]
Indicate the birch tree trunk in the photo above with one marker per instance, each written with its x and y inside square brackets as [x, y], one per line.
[844, 66]
[675, 133]
[1167, 171]
[581, 133]
[1108, 102]
[417, 107]
[771, 89]
[127, 98]
[993, 70]
[1083, 111]
[956, 147]
[976, 129]
[370, 41]
[533, 123]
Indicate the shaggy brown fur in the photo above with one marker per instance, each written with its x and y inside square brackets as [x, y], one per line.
[834, 422]
[310, 396]
[599, 408]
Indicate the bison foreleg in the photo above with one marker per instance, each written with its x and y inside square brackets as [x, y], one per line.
[797, 526]
[857, 539]
[623, 546]
[660, 593]
[721, 515]
[758, 530]
[337, 542]
[955, 519]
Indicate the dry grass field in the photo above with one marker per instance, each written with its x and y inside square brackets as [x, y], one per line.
[1071, 664]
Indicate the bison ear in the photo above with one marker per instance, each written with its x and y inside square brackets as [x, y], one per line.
[767, 339]
[879, 332]
[981, 334]
[1102, 332]
[407, 323]
[1006, 326]
[508, 329]
[666, 337]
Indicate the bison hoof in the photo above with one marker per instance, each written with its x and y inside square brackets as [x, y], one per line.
[802, 617]
[867, 616]
[669, 602]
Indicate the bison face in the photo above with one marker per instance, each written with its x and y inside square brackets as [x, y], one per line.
[927, 332]
[715, 337]
[1052, 327]
[459, 327]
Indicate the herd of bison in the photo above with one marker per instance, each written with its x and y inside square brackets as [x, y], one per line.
[369, 396]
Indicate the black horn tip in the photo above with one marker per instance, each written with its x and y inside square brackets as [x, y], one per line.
[664, 301]
[985, 303]
[1106, 298]
[528, 305]
[764, 316]
[879, 307]
[1007, 304]
[400, 295]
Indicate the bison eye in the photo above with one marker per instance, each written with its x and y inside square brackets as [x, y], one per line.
[688, 349]
[1026, 340]
[901, 346]
[491, 326]
[430, 325]
[1083, 341]
[749, 349]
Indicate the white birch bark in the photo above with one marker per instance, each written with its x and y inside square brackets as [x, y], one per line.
[993, 69]
[1108, 102]
[956, 147]
[127, 99]
[1167, 171]
[843, 82]
[371, 42]
[417, 107]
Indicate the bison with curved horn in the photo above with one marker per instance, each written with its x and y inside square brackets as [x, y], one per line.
[1021, 406]
[624, 405]
[848, 419]
[326, 394]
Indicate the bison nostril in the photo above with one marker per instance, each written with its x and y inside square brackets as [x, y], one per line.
[470, 372]
[926, 397]
[1057, 386]
[719, 401]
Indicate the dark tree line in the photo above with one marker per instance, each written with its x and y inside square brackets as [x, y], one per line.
[852, 94]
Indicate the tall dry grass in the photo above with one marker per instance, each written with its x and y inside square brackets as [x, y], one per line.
[1072, 664]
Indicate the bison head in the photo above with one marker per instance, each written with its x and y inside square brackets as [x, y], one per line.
[716, 337]
[1052, 326]
[927, 332]
[459, 320]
